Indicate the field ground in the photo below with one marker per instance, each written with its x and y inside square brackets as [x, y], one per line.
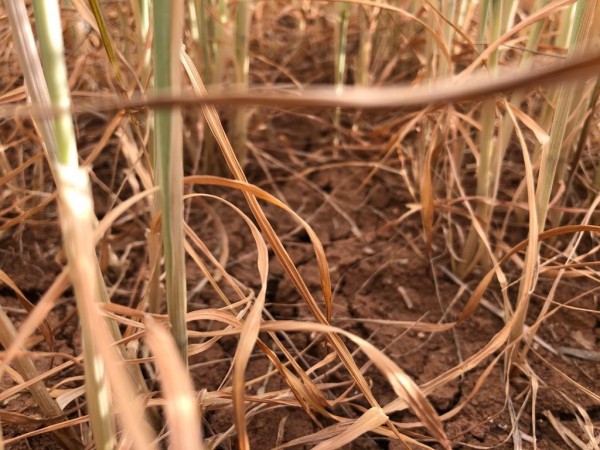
[385, 281]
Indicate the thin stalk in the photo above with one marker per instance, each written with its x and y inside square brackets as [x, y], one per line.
[340, 60]
[565, 32]
[142, 10]
[547, 108]
[449, 9]
[556, 216]
[107, 41]
[192, 16]
[483, 20]
[48, 24]
[238, 132]
[24, 42]
[462, 13]
[144, 18]
[214, 46]
[551, 153]
[562, 41]
[81, 264]
[488, 168]
[206, 36]
[38, 92]
[220, 42]
[141, 14]
[365, 47]
[168, 160]
[47, 20]
[103, 364]
[596, 187]
[433, 136]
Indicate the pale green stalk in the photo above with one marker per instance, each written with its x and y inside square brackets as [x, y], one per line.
[33, 73]
[105, 364]
[141, 13]
[238, 131]
[219, 40]
[206, 35]
[81, 265]
[365, 46]
[48, 24]
[168, 160]
[133, 370]
[194, 26]
[461, 13]
[581, 26]
[567, 23]
[562, 41]
[343, 10]
[533, 41]
[38, 91]
[448, 10]
[547, 107]
[569, 175]
[483, 20]
[490, 155]
[552, 150]
[507, 125]
[49, 30]
[214, 49]
[144, 19]
[242, 39]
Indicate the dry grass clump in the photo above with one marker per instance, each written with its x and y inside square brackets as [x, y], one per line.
[115, 140]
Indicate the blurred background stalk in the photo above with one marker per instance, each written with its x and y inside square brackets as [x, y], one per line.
[500, 15]
[238, 127]
[551, 154]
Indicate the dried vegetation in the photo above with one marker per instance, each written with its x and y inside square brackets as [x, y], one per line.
[376, 228]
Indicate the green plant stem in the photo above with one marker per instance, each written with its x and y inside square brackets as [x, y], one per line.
[552, 153]
[490, 155]
[340, 60]
[49, 32]
[48, 23]
[365, 46]
[238, 132]
[168, 160]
